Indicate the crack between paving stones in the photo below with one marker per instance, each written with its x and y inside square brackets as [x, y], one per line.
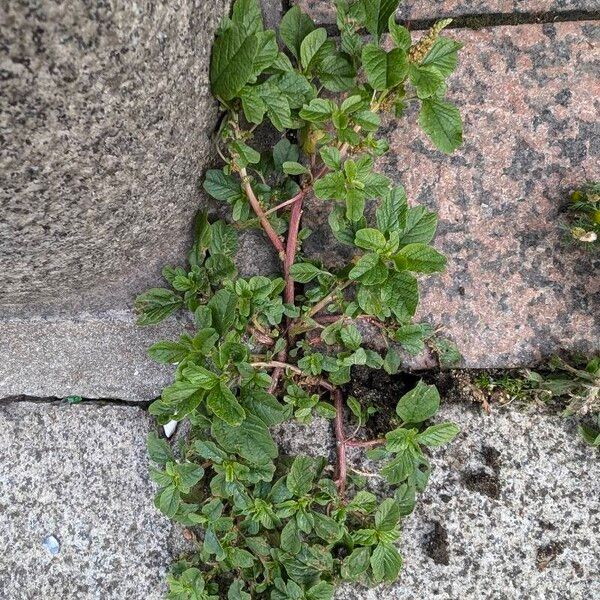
[99, 402]
[479, 21]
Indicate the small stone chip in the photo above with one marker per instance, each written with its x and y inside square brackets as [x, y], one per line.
[51, 544]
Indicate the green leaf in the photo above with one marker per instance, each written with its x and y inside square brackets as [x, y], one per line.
[384, 70]
[222, 187]
[253, 105]
[355, 205]
[232, 62]
[387, 515]
[392, 211]
[401, 295]
[399, 34]
[400, 468]
[210, 451]
[377, 14]
[266, 53]
[289, 539]
[200, 377]
[223, 239]
[356, 563]
[243, 154]
[155, 305]
[308, 565]
[386, 563]
[443, 56]
[189, 475]
[364, 502]
[322, 591]
[412, 337]
[318, 111]
[392, 362]
[335, 72]
[438, 435]
[223, 404]
[251, 439]
[370, 239]
[168, 501]
[305, 272]
[284, 151]
[447, 352]
[311, 45]
[158, 449]
[294, 168]
[326, 528]
[419, 404]
[301, 476]
[294, 27]
[426, 80]
[589, 435]
[331, 157]
[369, 270]
[441, 121]
[295, 87]
[420, 226]
[351, 337]
[419, 258]
[241, 558]
[405, 497]
[265, 406]
[236, 591]
[222, 306]
[247, 15]
[168, 352]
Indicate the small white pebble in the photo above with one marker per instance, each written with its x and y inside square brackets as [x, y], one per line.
[170, 428]
[51, 544]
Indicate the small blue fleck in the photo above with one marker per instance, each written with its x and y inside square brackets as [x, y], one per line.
[51, 544]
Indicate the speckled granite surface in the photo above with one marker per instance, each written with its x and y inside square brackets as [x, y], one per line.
[323, 11]
[80, 474]
[106, 118]
[512, 512]
[514, 292]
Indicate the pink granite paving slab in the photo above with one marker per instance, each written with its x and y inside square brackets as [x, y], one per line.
[323, 11]
[514, 292]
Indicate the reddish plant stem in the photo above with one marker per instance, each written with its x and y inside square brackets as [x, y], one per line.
[340, 441]
[260, 213]
[291, 247]
[365, 444]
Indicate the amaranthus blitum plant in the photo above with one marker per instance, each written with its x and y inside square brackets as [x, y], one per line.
[268, 349]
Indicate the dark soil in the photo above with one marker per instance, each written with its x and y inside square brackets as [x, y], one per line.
[436, 546]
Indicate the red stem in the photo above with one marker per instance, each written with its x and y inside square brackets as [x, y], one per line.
[291, 247]
[341, 469]
[260, 213]
[366, 444]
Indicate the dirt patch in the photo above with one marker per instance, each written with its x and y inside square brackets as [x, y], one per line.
[436, 545]
[381, 391]
[482, 482]
[546, 554]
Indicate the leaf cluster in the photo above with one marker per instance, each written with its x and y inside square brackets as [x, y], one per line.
[268, 349]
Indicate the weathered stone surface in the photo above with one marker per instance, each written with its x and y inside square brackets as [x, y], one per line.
[78, 473]
[106, 118]
[514, 291]
[323, 11]
[511, 511]
[94, 356]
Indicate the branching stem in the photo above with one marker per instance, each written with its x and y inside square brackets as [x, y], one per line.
[340, 442]
[260, 213]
